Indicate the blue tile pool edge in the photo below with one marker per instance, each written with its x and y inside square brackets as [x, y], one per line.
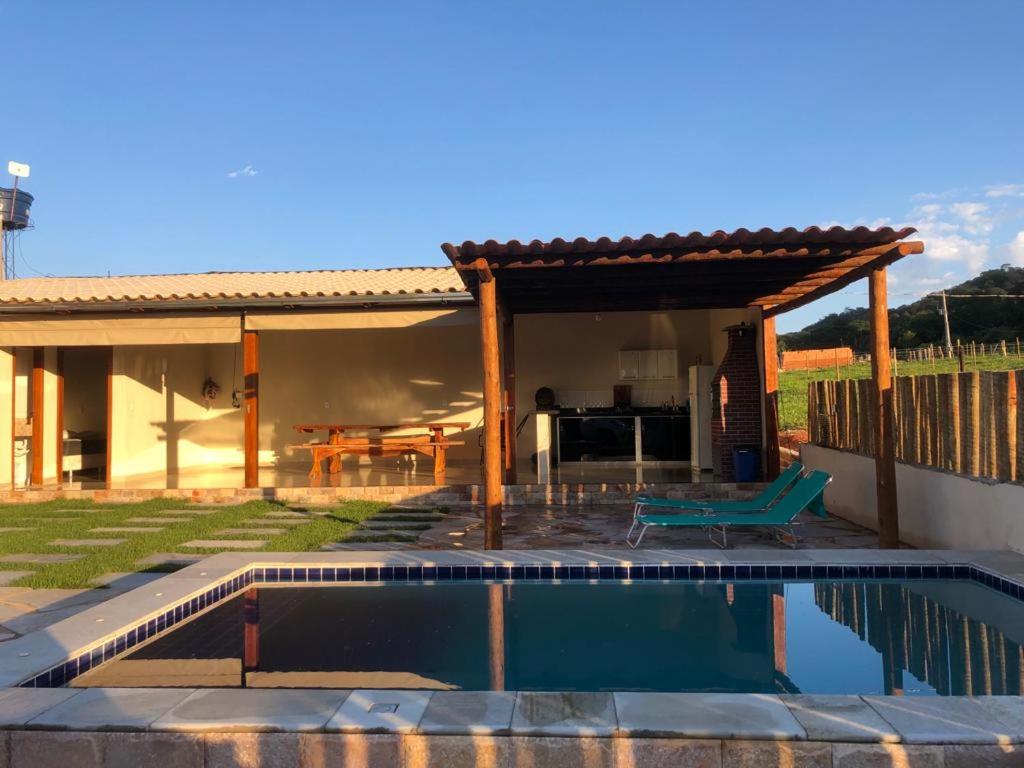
[167, 618]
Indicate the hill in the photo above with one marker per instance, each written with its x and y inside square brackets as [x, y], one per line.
[920, 323]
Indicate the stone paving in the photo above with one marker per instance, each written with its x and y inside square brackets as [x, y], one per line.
[558, 527]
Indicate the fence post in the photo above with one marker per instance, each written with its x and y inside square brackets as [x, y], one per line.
[974, 447]
[1011, 426]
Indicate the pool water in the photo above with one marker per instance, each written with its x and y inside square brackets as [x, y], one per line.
[826, 637]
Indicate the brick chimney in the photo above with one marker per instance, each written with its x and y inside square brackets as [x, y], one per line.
[736, 389]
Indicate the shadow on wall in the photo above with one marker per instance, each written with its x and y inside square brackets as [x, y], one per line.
[368, 376]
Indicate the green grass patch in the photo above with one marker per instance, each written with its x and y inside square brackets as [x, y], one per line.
[44, 522]
[793, 384]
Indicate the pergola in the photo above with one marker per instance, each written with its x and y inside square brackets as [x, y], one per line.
[775, 270]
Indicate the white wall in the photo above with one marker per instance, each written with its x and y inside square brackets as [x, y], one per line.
[155, 386]
[937, 510]
[369, 376]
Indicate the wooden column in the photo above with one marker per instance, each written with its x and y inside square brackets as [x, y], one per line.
[60, 416]
[885, 449]
[770, 353]
[109, 469]
[38, 398]
[508, 349]
[251, 386]
[490, 356]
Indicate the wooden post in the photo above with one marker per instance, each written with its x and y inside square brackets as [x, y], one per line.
[779, 630]
[251, 386]
[885, 458]
[109, 469]
[490, 356]
[770, 353]
[508, 349]
[38, 395]
[60, 417]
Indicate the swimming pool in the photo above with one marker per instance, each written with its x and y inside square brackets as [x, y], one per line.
[750, 628]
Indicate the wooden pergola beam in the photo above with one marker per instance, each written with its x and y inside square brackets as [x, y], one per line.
[647, 256]
[894, 253]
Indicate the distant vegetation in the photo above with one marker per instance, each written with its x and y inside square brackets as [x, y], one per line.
[985, 320]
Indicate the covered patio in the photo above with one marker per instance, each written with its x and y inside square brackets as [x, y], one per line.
[568, 371]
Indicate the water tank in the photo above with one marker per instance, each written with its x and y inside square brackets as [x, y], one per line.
[14, 211]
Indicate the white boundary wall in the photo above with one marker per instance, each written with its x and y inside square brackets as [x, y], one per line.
[938, 510]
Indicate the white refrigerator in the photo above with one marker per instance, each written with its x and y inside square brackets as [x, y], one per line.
[700, 416]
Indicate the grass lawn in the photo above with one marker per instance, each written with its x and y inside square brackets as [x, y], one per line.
[52, 520]
[793, 384]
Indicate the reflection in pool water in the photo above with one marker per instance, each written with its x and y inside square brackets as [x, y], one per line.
[922, 637]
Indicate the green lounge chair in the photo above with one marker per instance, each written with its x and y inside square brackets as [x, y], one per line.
[759, 503]
[806, 493]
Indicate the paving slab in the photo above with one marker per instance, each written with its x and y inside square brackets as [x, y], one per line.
[41, 558]
[379, 711]
[839, 718]
[19, 705]
[164, 520]
[170, 558]
[102, 709]
[278, 521]
[293, 515]
[224, 710]
[125, 529]
[224, 543]
[1007, 709]
[569, 713]
[86, 542]
[941, 720]
[15, 528]
[124, 580]
[187, 511]
[475, 712]
[8, 577]
[250, 531]
[706, 715]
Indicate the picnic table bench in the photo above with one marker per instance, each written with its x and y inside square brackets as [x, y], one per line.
[432, 442]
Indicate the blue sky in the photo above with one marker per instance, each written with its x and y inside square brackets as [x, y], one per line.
[193, 136]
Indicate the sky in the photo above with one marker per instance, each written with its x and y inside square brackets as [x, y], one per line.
[222, 135]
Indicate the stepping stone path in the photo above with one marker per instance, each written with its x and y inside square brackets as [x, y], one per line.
[192, 511]
[258, 521]
[16, 528]
[170, 558]
[7, 577]
[48, 558]
[124, 529]
[295, 515]
[375, 523]
[86, 542]
[225, 543]
[245, 531]
[159, 520]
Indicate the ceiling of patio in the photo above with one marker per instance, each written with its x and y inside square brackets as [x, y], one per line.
[777, 270]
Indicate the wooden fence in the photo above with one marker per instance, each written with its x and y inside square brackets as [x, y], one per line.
[968, 423]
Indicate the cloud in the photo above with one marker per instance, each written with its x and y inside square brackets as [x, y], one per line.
[243, 172]
[975, 217]
[1005, 190]
[1017, 249]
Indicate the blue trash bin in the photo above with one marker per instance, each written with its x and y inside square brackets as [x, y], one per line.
[746, 462]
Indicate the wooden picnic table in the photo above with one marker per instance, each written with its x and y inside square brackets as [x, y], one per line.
[432, 443]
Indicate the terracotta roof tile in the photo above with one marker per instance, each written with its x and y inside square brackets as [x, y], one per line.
[718, 240]
[232, 286]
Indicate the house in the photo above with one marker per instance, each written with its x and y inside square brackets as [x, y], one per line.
[197, 381]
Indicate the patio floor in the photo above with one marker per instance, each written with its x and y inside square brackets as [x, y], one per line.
[555, 527]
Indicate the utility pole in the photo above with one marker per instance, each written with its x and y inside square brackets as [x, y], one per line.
[945, 320]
